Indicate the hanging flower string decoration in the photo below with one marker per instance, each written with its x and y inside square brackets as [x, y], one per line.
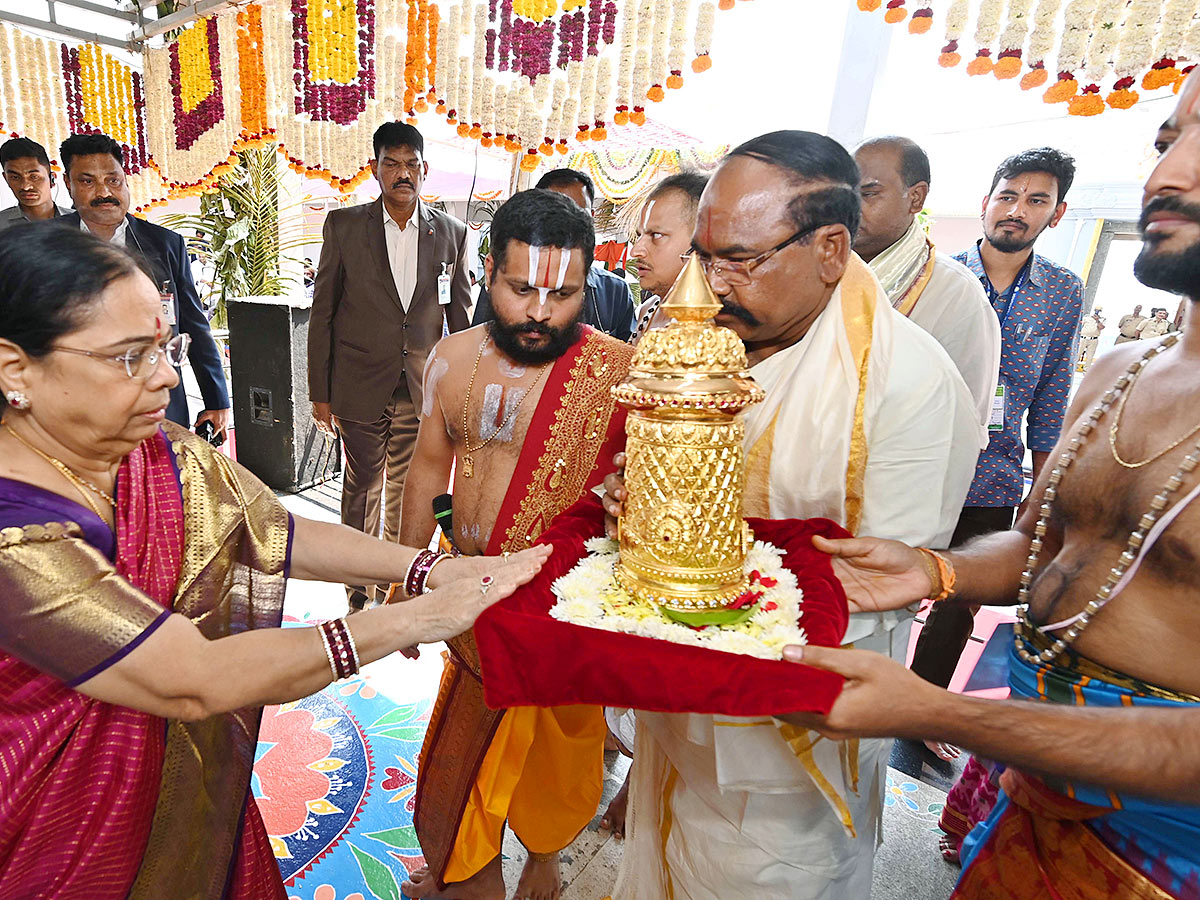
[1127, 41]
[314, 78]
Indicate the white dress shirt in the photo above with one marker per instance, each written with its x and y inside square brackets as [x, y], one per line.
[118, 237]
[402, 252]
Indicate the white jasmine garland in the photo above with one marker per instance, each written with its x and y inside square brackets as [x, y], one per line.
[679, 31]
[641, 76]
[439, 71]
[1176, 17]
[1191, 43]
[462, 95]
[987, 23]
[587, 91]
[491, 123]
[956, 19]
[565, 132]
[1077, 28]
[1105, 32]
[512, 113]
[604, 87]
[1041, 41]
[706, 18]
[662, 37]
[1017, 25]
[1135, 50]
[589, 595]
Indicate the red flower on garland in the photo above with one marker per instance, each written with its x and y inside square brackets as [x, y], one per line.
[329, 101]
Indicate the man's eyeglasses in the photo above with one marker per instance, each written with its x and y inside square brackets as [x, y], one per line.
[140, 364]
[736, 272]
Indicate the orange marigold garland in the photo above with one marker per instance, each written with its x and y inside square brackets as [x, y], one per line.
[895, 12]
[1087, 103]
[1161, 74]
[1062, 90]
[1035, 77]
[956, 21]
[863, 5]
[921, 21]
[1121, 96]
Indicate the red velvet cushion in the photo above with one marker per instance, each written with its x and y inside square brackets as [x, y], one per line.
[530, 659]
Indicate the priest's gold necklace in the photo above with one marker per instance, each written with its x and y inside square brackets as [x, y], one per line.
[1158, 505]
[81, 484]
[468, 466]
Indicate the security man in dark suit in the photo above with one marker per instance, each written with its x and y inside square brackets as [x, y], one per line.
[607, 300]
[391, 281]
[94, 175]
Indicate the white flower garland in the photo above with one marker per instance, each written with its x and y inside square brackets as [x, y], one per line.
[587, 92]
[1016, 27]
[604, 86]
[1077, 28]
[448, 51]
[956, 19]
[487, 106]
[480, 60]
[1135, 50]
[1105, 32]
[1191, 43]
[641, 76]
[987, 23]
[1041, 41]
[589, 595]
[1176, 17]
[677, 55]
[628, 48]
[662, 37]
[706, 19]
[558, 97]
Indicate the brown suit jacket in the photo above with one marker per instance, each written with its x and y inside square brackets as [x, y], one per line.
[360, 340]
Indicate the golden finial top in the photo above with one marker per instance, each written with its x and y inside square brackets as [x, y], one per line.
[691, 298]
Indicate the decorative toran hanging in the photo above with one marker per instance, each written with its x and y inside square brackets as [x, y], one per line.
[317, 77]
[1154, 42]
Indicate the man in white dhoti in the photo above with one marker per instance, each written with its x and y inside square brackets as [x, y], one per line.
[934, 290]
[866, 422]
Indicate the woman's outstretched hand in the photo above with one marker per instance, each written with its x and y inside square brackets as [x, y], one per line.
[452, 608]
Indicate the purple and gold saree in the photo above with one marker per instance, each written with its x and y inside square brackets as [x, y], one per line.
[100, 801]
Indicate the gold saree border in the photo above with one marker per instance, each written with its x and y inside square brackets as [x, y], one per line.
[235, 553]
[909, 300]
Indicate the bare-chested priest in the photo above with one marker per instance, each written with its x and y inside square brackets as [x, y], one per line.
[1103, 797]
[522, 408]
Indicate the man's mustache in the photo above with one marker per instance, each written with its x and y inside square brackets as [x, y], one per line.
[106, 201]
[1168, 205]
[729, 308]
[1015, 222]
[402, 181]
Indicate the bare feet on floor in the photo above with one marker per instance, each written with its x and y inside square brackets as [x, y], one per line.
[486, 884]
[948, 752]
[949, 848]
[540, 879]
[614, 817]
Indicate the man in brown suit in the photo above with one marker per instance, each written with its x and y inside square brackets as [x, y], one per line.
[391, 280]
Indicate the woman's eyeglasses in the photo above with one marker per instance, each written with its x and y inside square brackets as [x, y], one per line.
[140, 364]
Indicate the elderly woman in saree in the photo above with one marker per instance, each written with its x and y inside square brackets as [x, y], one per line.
[141, 585]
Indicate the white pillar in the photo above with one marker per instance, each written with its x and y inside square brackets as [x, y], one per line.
[865, 44]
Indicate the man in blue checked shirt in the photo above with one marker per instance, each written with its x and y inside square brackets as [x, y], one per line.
[1039, 304]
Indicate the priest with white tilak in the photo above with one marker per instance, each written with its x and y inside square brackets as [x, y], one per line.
[932, 289]
[867, 422]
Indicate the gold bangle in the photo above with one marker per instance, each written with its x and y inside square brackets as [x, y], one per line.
[941, 573]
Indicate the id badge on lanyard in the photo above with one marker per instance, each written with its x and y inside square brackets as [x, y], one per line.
[444, 285]
[996, 418]
[167, 299]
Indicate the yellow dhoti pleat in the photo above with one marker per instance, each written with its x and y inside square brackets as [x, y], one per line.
[544, 773]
